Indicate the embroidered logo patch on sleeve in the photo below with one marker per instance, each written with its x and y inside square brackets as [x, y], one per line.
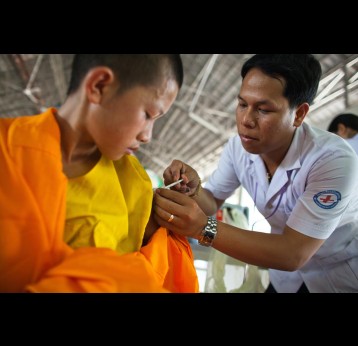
[327, 199]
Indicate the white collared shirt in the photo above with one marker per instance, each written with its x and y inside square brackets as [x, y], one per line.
[353, 142]
[315, 192]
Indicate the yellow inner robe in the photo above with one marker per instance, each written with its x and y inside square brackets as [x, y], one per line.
[109, 206]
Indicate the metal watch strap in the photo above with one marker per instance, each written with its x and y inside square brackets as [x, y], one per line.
[209, 232]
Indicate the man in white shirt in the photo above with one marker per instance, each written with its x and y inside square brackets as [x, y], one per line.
[346, 126]
[302, 179]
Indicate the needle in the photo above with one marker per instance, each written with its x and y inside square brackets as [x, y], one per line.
[172, 184]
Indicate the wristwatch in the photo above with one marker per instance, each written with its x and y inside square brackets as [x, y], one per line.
[208, 234]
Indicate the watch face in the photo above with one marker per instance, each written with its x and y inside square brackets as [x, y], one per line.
[205, 241]
[209, 232]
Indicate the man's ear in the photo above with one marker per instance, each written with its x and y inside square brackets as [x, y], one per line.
[96, 82]
[300, 114]
[342, 130]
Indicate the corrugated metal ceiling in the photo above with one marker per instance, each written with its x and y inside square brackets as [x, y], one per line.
[203, 116]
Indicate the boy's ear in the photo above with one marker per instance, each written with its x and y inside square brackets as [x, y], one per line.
[96, 82]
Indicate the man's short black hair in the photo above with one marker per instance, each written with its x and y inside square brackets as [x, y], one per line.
[347, 119]
[301, 73]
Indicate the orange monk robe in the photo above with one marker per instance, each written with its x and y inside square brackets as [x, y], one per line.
[33, 255]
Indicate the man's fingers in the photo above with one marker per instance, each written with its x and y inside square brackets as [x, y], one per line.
[172, 196]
